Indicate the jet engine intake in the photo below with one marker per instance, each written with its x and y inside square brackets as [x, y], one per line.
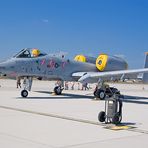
[82, 58]
[105, 62]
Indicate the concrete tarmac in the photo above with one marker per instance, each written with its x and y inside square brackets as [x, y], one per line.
[69, 121]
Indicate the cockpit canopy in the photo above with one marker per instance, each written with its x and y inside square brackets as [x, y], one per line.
[29, 53]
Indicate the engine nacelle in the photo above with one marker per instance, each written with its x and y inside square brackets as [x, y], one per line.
[82, 58]
[105, 62]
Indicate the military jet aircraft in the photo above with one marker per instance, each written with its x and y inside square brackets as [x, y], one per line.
[31, 62]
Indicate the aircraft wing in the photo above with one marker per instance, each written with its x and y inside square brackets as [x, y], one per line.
[91, 77]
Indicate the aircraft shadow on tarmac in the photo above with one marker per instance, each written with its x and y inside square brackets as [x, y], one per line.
[135, 99]
[127, 123]
[62, 96]
[126, 99]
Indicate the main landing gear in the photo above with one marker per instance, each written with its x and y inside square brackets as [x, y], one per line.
[59, 87]
[105, 90]
[58, 90]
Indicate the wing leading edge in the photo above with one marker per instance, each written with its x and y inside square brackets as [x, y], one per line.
[91, 77]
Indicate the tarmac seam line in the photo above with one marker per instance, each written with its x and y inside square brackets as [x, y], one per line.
[51, 115]
[68, 118]
[28, 140]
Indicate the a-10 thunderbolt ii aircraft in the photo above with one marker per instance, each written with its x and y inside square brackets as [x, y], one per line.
[30, 63]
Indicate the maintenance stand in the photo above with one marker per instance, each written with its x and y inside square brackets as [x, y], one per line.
[113, 110]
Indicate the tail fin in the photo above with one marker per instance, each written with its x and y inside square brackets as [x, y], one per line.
[145, 75]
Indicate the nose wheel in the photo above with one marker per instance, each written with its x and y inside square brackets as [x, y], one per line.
[24, 93]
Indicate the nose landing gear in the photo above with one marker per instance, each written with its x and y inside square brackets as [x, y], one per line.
[27, 84]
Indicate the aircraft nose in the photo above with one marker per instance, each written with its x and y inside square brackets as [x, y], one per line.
[2, 67]
[6, 67]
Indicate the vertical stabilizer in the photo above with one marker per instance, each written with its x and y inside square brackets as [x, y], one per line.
[145, 75]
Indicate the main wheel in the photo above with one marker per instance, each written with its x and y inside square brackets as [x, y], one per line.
[100, 94]
[24, 93]
[58, 90]
[101, 116]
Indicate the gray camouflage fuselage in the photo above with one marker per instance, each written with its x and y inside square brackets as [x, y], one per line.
[48, 66]
[55, 67]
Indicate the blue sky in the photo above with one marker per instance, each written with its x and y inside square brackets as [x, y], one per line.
[116, 27]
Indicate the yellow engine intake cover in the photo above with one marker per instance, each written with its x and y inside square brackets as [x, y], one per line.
[101, 62]
[80, 58]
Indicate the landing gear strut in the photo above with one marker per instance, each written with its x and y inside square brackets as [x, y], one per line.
[59, 88]
[27, 84]
[104, 90]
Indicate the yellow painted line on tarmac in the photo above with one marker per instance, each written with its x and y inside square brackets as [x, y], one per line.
[53, 94]
[118, 127]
